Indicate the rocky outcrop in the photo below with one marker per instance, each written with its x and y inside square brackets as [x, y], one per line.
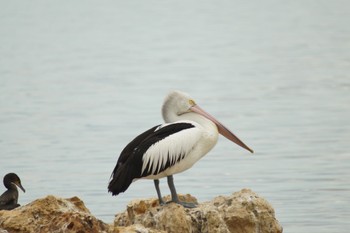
[243, 211]
[51, 214]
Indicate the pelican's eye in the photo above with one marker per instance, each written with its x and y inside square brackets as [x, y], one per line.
[191, 102]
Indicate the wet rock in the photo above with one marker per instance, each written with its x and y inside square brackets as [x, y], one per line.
[242, 212]
[51, 214]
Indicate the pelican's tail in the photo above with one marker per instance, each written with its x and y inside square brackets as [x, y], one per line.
[122, 177]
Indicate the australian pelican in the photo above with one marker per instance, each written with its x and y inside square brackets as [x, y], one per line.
[173, 147]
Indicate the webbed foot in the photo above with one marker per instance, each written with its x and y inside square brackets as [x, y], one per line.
[184, 204]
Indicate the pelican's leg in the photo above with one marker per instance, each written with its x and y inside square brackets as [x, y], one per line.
[174, 197]
[156, 184]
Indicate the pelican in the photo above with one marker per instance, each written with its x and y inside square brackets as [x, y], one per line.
[187, 135]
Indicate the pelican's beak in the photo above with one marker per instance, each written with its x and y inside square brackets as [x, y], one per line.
[221, 128]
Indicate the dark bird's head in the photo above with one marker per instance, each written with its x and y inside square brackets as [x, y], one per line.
[11, 180]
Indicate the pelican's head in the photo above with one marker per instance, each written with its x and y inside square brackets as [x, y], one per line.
[177, 103]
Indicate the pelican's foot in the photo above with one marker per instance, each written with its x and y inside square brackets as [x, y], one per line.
[184, 204]
[188, 204]
[161, 202]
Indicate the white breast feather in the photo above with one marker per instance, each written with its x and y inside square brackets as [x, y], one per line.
[175, 146]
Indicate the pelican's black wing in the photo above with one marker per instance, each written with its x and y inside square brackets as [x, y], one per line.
[117, 174]
[124, 155]
[129, 165]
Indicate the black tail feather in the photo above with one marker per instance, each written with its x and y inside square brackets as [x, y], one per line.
[120, 181]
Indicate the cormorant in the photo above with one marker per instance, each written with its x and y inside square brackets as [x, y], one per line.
[8, 200]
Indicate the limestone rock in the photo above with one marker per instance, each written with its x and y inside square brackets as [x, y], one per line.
[242, 212]
[51, 214]
[136, 228]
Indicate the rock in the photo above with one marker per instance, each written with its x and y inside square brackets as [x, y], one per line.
[51, 214]
[136, 228]
[242, 212]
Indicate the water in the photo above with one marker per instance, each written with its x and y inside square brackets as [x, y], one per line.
[78, 80]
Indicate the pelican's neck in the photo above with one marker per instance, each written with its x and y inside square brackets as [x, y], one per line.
[203, 121]
[168, 114]
[210, 131]
[207, 124]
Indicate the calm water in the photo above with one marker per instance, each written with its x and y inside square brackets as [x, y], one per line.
[78, 80]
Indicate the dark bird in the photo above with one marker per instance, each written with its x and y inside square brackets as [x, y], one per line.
[187, 135]
[9, 199]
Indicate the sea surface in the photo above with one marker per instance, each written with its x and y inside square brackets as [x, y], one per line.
[80, 79]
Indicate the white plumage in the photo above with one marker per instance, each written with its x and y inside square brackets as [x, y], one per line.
[174, 148]
[177, 149]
